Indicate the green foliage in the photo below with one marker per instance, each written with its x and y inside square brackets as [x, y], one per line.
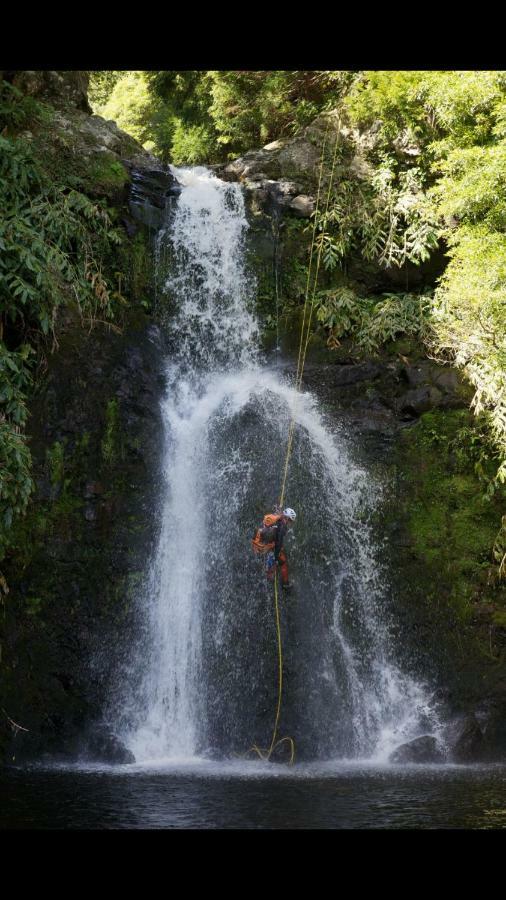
[16, 484]
[192, 144]
[52, 242]
[455, 108]
[18, 111]
[186, 93]
[499, 551]
[463, 105]
[371, 322]
[108, 173]
[470, 322]
[33, 605]
[386, 217]
[110, 439]
[56, 249]
[208, 116]
[392, 98]
[101, 86]
[252, 108]
[471, 445]
[457, 121]
[452, 521]
[139, 112]
[471, 189]
[55, 456]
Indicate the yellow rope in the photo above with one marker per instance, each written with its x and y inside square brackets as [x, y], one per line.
[266, 754]
[306, 292]
[303, 345]
[319, 257]
[291, 428]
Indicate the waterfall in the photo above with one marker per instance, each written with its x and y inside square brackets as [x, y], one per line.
[204, 673]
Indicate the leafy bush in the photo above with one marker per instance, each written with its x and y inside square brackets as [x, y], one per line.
[101, 86]
[209, 116]
[459, 122]
[372, 321]
[52, 241]
[55, 249]
[140, 113]
[192, 144]
[385, 217]
[16, 484]
[470, 321]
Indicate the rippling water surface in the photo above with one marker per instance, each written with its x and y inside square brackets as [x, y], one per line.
[238, 795]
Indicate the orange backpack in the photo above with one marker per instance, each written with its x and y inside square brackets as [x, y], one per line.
[264, 538]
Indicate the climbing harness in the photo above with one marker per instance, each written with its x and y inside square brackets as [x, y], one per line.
[265, 754]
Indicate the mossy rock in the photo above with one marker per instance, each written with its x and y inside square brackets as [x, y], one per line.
[444, 576]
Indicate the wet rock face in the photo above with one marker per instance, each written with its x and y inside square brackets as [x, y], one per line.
[377, 395]
[100, 134]
[150, 189]
[299, 156]
[434, 532]
[76, 581]
[269, 195]
[103, 746]
[97, 141]
[468, 743]
[421, 750]
[282, 176]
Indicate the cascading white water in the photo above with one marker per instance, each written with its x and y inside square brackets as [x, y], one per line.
[208, 662]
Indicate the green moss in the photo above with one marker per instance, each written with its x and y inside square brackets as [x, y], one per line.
[84, 441]
[406, 347]
[452, 523]
[33, 605]
[108, 172]
[499, 619]
[110, 440]
[55, 460]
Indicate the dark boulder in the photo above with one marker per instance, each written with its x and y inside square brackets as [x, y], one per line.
[303, 206]
[424, 749]
[104, 746]
[469, 741]
[150, 189]
[416, 402]
[342, 375]
[63, 88]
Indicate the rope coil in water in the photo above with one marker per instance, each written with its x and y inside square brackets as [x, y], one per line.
[265, 754]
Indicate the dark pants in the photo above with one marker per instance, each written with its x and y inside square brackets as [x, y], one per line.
[283, 568]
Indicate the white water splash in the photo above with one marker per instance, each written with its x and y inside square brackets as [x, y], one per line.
[208, 281]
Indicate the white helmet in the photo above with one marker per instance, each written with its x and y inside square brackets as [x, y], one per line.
[290, 513]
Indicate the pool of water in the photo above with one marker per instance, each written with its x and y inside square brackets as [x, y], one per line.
[253, 795]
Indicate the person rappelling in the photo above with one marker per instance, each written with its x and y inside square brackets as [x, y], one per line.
[268, 540]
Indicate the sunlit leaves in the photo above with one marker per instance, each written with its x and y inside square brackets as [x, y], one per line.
[472, 186]
[470, 319]
[385, 217]
[139, 112]
[373, 321]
